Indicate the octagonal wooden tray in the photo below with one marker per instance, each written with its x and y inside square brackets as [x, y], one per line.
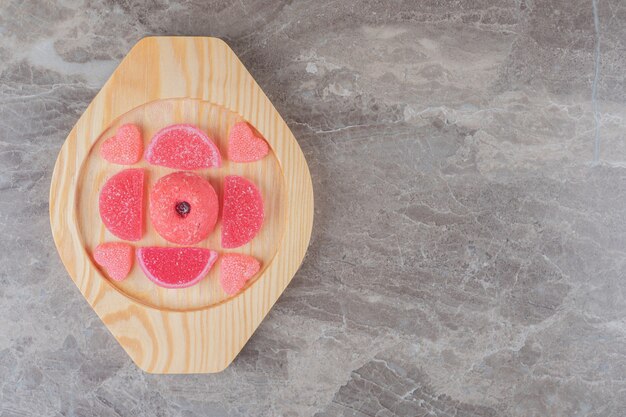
[165, 80]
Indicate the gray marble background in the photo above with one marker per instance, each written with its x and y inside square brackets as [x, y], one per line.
[468, 253]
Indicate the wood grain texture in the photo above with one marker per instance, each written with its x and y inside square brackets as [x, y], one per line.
[200, 80]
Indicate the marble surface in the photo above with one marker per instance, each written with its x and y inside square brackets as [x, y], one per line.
[468, 255]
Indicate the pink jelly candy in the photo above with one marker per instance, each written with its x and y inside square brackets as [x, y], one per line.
[125, 148]
[244, 145]
[236, 270]
[115, 258]
[183, 207]
[183, 146]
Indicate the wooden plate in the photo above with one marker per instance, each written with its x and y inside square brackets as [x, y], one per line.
[165, 80]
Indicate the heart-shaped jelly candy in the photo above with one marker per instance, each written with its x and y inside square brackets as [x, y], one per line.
[125, 148]
[244, 145]
[116, 259]
[235, 270]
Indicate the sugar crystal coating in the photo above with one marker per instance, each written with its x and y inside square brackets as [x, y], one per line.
[116, 258]
[175, 267]
[121, 204]
[183, 207]
[183, 146]
[235, 270]
[244, 145]
[125, 148]
[242, 211]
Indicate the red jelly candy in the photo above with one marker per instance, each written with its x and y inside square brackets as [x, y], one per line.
[121, 204]
[175, 267]
[242, 211]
